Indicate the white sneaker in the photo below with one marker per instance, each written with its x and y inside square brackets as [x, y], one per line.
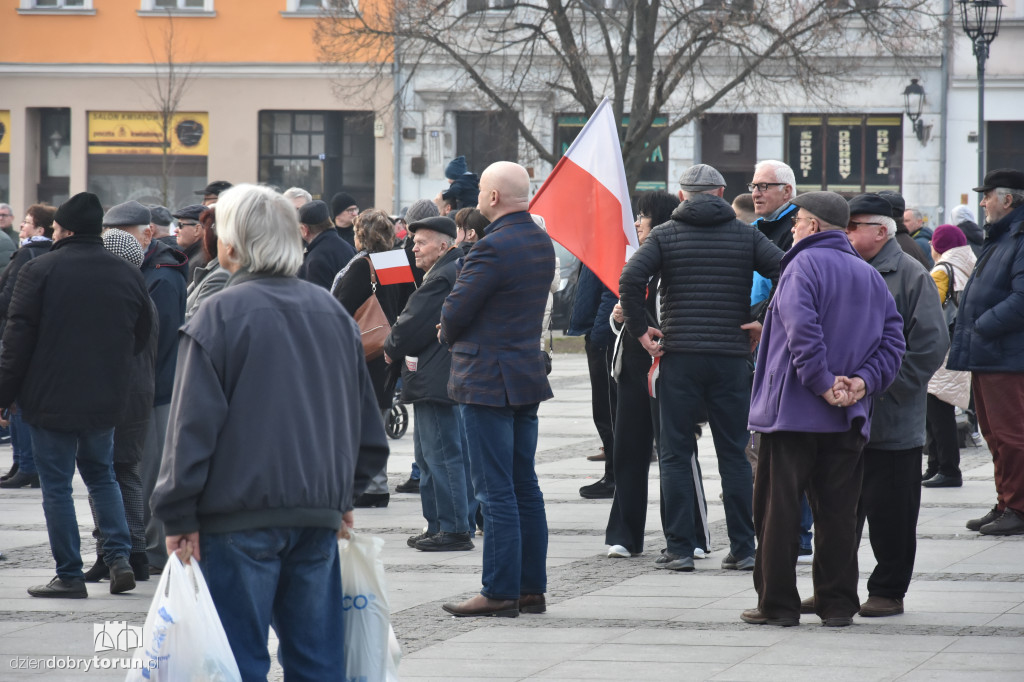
[617, 552]
[699, 553]
[805, 559]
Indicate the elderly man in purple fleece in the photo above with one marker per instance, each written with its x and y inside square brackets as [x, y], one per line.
[832, 340]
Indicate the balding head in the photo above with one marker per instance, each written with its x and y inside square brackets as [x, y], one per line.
[504, 189]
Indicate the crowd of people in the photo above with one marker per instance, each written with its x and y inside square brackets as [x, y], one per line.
[221, 386]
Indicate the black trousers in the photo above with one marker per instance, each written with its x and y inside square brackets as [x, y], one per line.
[602, 400]
[829, 467]
[942, 440]
[890, 501]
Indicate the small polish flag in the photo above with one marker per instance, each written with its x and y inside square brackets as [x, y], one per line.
[585, 201]
[392, 267]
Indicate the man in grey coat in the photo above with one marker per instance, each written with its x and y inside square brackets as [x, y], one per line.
[891, 492]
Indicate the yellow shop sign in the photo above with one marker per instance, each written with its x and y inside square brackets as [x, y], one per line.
[141, 132]
[5, 132]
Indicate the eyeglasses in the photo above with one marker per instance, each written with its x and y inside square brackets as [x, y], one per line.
[640, 216]
[6, 215]
[352, 209]
[854, 224]
[763, 186]
[181, 225]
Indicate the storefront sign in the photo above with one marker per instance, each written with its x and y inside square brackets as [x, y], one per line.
[5, 132]
[848, 154]
[141, 132]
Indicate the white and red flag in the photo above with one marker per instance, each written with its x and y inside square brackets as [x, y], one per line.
[585, 200]
[392, 267]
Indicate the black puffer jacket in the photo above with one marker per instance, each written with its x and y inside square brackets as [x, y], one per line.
[414, 335]
[78, 315]
[706, 258]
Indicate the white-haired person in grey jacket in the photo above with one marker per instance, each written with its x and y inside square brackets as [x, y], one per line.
[274, 430]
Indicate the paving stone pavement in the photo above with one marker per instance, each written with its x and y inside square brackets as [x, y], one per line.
[607, 618]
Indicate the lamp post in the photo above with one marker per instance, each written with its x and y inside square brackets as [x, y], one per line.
[913, 104]
[980, 21]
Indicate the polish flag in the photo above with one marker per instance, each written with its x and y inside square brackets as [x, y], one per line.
[585, 200]
[392, 267]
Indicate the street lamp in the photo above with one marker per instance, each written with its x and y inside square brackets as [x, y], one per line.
[913, 103]
[980, 20]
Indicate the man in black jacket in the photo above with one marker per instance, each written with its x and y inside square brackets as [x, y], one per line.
[326, 252]
[772, 188]
[706, 258]
[446, 491]
[189, 238]
[78, 315]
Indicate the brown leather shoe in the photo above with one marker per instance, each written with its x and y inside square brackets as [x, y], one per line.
[807, 605]
[599, 457]
[532, 603]
[482, 606]
[755, 617]
[877, 607]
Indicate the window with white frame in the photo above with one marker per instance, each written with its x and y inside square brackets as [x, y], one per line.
[305, 7]
[177, 5]
[482, 5]
[56, 4]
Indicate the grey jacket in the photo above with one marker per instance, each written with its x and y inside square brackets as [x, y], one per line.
[273, 421]
[897, 422]
[207, 280]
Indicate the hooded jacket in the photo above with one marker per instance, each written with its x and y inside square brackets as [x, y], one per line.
[780, 230]
[78, 315]
[413, 338]
[899, 414]
[949, 385]
[706, 258]
[164, 270]
[817, 329]
[989, 333]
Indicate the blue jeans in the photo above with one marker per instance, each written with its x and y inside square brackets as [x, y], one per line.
[445, 486]
[721, 383]
[55, 455]
[502, 446]
[21, 443]
[288, 578]
[415, 474]
[806, 520]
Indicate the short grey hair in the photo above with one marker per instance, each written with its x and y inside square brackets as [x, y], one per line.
[782, 171]
[298, 193]
[1016, 195]
[8, 207]
[890, 224]
[263, 228]
[916, 213]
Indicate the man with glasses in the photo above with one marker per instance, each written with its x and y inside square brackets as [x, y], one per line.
[832, 339]
[344, 211]
[7, 223]
[190, 237]
[891, 495]
[772, 189]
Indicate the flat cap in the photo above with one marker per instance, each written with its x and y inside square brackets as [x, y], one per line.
[191, 212]
[215, 187]
[870, 204]
[828, 207]
[160, 215]
[313, 213]
[701, 177]
[1007, 178]
[128, 214]
[437, 224]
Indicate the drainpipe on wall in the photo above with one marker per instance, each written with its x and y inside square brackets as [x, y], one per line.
[947, 54]
[396, 76]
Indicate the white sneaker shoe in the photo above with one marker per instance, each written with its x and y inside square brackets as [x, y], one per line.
[617, 552]
[699, 553]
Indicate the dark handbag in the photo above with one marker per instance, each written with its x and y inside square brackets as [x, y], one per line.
[373, 323]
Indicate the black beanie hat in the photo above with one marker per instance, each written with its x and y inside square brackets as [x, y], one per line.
[341, 201]
[81, 214]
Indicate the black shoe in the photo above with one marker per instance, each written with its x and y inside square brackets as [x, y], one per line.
[61, 589]
[13, 470]
[445, 542]
[410, 486]
[122, 577]
[602, 490]
[98, 572]
[1010, 523]
[367, 500]
[976, 524]
[731, 563]
[943, 481]
[21, 480]
[140, 565]
[928, 474]
[413, 539]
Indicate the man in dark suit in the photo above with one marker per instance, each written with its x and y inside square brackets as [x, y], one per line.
[492, 320]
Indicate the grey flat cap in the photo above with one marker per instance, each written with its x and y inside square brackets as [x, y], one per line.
[191, 212]
[700, 178]
[130, 213]
[160, 215]
[828, 207]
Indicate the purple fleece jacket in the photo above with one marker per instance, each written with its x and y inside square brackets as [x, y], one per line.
[832, 315]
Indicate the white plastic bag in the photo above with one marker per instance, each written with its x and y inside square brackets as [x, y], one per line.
[183, 639]
[371, 649]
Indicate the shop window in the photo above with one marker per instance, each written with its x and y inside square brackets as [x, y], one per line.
[849, 154]
[324, 152]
